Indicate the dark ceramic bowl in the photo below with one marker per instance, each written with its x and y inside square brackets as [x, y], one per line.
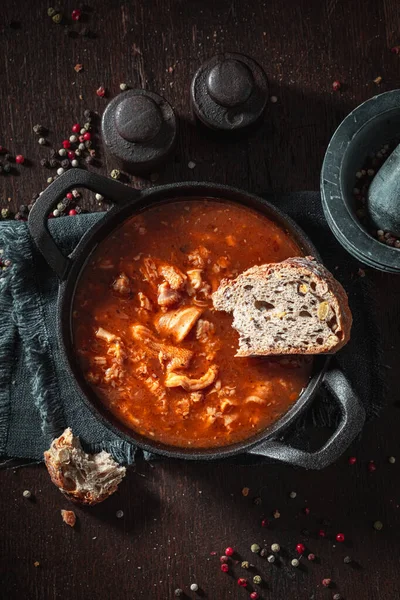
[128, 202]
[366, 129]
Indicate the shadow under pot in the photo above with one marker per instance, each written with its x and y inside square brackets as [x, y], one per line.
[70, 270]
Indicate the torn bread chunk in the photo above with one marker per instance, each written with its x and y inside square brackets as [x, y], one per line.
[83, 478]
[292, 307]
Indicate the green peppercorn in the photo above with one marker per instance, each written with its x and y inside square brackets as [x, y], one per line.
[51, 12]
[115, 173]
[257, 580]
[245, 564]
[378, 525]
[57, 18]
[255, 548]
[7, 168]
[5, 213]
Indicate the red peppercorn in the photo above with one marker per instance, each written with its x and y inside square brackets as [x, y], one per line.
[71, 155]
[352, 460]
[76, 14]
[223, 559]
[336, 85]
[20, 159]
[340, 537]
[76, 128]
[321, 533]
[311, 556]
[81, 139]
[69, 195]
[87, 136]
[229, 551]
[371, 466]
[264, 523]
[395, 50]
[50, 216]
[306, 510]
[72, 212]
[254, 596]
[300, 548]
[66, 144]
[101, 91]
[224, 568]
[242, 582]
[326, 582]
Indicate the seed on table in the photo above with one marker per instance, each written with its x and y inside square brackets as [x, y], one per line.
[392, 460]
[73, 139]
[75, 194]
[194, 587]
[26, 494]
[87, 126]
[45, 163]
[63, 151]
[292, 494]
[81, 146]
[39, 129]
[60, 206]
[119, 514]
[336, 597]
[229, 551]
[359, 174]
[57, 18]
[340, 537]
[116, 174]
[264, 523]
[326, 582]
[72, 212]
[76, 14]
[378, 525]
[123, 86]
[245, 564]
[101, 91]
[74, 163]
[223, 559]
[178, 592]
[275, 548]
[274, 99]
[257, 580]
[42, 141]
[300, 548]
[87, 136]
[20, 159]
[75, 128]
[321, 533]
[224, 568]
[49, 179]
[255, 548]
[271, 558]
[53, 163]
[352, 460]
[311, 556]
[60, 171]
[242, 582]
[56, 213]
[276, 514]
[65, 163]
[7, 168]
[336, 85]
[88, 143]
[347, 560]
[295, 562]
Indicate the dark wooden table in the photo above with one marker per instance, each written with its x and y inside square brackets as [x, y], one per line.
[176, 514]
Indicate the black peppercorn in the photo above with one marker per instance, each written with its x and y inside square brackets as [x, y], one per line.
[89, 160]
[7, 168]
[263, 552]
[257, 500]
[23, 209]
[178, 593]
[88, 144]
[87, 114]
[53, 163]
[45, 163]
[9, 157]
[39, 129]
[65, 163]
[53, 153]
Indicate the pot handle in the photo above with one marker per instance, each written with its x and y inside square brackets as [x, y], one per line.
[352, 421]
[38, 217]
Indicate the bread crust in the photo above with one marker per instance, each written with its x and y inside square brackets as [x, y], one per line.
[303, 266]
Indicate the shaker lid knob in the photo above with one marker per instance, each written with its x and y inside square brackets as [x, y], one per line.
[138, 119]
[230, 83]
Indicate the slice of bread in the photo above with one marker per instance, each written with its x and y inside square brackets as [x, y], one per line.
[292, 307]
[83, 478]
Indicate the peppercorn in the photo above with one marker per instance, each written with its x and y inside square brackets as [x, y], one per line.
[45, 163]
[76, 14]
[263, 552]
[352, 460]
[101, 91]
[49, 179]
[20, 159]
[295, 562]
[178, 592]
[242, 582]
[223, 559]
[275, 548]
[224, 568]
[60, 171]
[245, 564]
[88, 143]
[326, 582]
[53, 163]
[257, 500]
[51, 12]
[61, 206]
[194, 587]
[229, 551]
[321, 533]
[347, 560]
[300, 548]
[42, 141]
[7, 168]
[311, 556]
[57, 18]
[271, 559]
[87, 126]
[53, 153]
[336, 85]
[74, 163]
[72, 212]
[73, 139]
[340, 537]
[392, 460]
[378, 525]
[254, 596]
[39, 129]
[26, 494]
[9, 157]
[255, 548]
[87, 114]
[116, 174]
[123, 87]
[81, 146]
[276, 514]
[65, 163]
[89, 160]
[23, 209]
[336, 597]
[257, 579]
[5, 213]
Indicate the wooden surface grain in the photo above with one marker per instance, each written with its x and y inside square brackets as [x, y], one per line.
[177, 513]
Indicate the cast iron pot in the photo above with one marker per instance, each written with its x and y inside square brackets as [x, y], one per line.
[69, 268]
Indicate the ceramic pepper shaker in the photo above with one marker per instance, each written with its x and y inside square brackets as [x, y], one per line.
[139, 130]
[229, 93]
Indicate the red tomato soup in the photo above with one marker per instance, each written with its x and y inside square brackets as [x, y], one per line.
[149, 342]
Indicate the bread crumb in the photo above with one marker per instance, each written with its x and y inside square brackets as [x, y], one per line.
[69, 517]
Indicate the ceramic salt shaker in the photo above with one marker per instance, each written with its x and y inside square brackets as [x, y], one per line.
[139, 130]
